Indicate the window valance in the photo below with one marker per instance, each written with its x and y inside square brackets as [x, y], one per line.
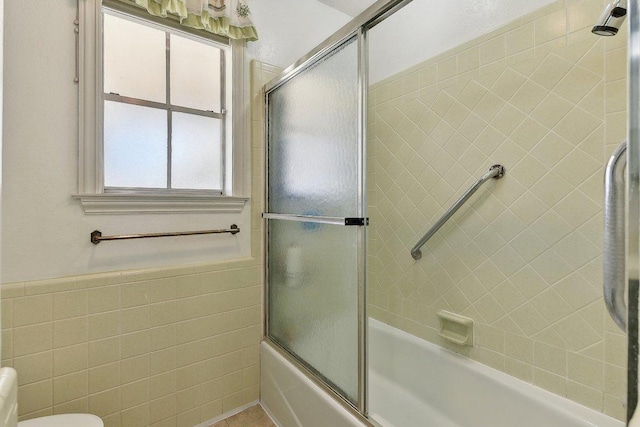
[228, 18]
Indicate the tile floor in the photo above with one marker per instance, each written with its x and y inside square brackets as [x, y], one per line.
[250, 417]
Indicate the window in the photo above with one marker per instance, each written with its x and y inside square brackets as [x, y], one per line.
[157, 119]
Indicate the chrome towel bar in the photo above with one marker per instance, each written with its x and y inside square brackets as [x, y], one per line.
[495, 171]
[97, 237]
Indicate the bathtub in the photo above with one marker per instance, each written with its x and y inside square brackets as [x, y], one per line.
[412, 380]
[415, 383]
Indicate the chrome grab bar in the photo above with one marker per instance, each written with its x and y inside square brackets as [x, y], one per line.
[495, 171]
[614, 251]
[97, 237]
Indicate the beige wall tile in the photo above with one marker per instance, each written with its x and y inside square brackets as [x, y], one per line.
[70, 331]
[231, 401]
[134, 344]
[78, 406]
[112, 420]
[445, 69]
[35, 397]
[188, 418]
[31, 310]
[103, 299]
[614, 407]
[7, 313]
[104, 377]
[70, 359]
[70, 304]
[70, 387]
[12, 290]
[162, 408]
[519, 39]
[104, 325]
[134, 319]
[586, 371]
[136, 393]
[34, 367]
[134, 369]
[518, 369]
[188, 399]
[7, 344]
[134, 294]
[105, 403]
[162, 313]
[162, 290]
[162, 385]
[104, 351]
[616, 64]
[585, 395]
[211, 410]
[136, 417]
[492, 50]
[32, 339]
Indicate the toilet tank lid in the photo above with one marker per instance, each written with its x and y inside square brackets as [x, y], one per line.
[65, 420]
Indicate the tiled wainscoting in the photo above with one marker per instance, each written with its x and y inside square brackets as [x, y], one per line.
[157, 347]
[546, 98]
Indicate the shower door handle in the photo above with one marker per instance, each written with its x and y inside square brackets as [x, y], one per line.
[614, 251]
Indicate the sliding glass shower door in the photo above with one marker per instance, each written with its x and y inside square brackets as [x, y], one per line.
[315, 214]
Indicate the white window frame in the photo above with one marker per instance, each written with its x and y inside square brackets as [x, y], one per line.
[91, 192]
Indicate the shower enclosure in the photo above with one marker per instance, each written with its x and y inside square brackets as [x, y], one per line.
[380, 203]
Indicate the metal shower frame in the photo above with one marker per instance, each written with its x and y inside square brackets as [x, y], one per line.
[356, 28]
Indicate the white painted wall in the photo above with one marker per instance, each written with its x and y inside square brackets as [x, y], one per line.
[45, 233]
[289, 29]
[350, 7]
[426, 28]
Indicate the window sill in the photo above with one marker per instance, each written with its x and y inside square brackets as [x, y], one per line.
[106, 204]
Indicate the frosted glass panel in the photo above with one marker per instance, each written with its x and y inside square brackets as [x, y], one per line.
[195, 74]
[195, 152]
[313, 150]
[134, 60]
[313, 297]
[135, 146]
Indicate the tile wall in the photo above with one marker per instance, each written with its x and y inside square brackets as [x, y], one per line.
[163, 347]
[159, 347]
[523, 258]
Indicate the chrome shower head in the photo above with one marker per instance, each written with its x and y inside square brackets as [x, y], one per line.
[611, 19]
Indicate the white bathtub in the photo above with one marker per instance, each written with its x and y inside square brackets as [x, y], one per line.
[414, 383]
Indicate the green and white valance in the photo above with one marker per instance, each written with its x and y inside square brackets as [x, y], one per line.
[228, 18]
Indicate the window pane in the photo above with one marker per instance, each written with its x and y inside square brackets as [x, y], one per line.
[135, 146]
[134, 60]
[196, 152]
[195, 84]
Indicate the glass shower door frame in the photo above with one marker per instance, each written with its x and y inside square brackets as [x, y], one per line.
[633, 212]
[360, 220]
[357, 27]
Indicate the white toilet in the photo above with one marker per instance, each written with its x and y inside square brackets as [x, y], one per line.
[9, 408]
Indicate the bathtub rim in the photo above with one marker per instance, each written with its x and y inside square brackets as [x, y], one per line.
[315, 379]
